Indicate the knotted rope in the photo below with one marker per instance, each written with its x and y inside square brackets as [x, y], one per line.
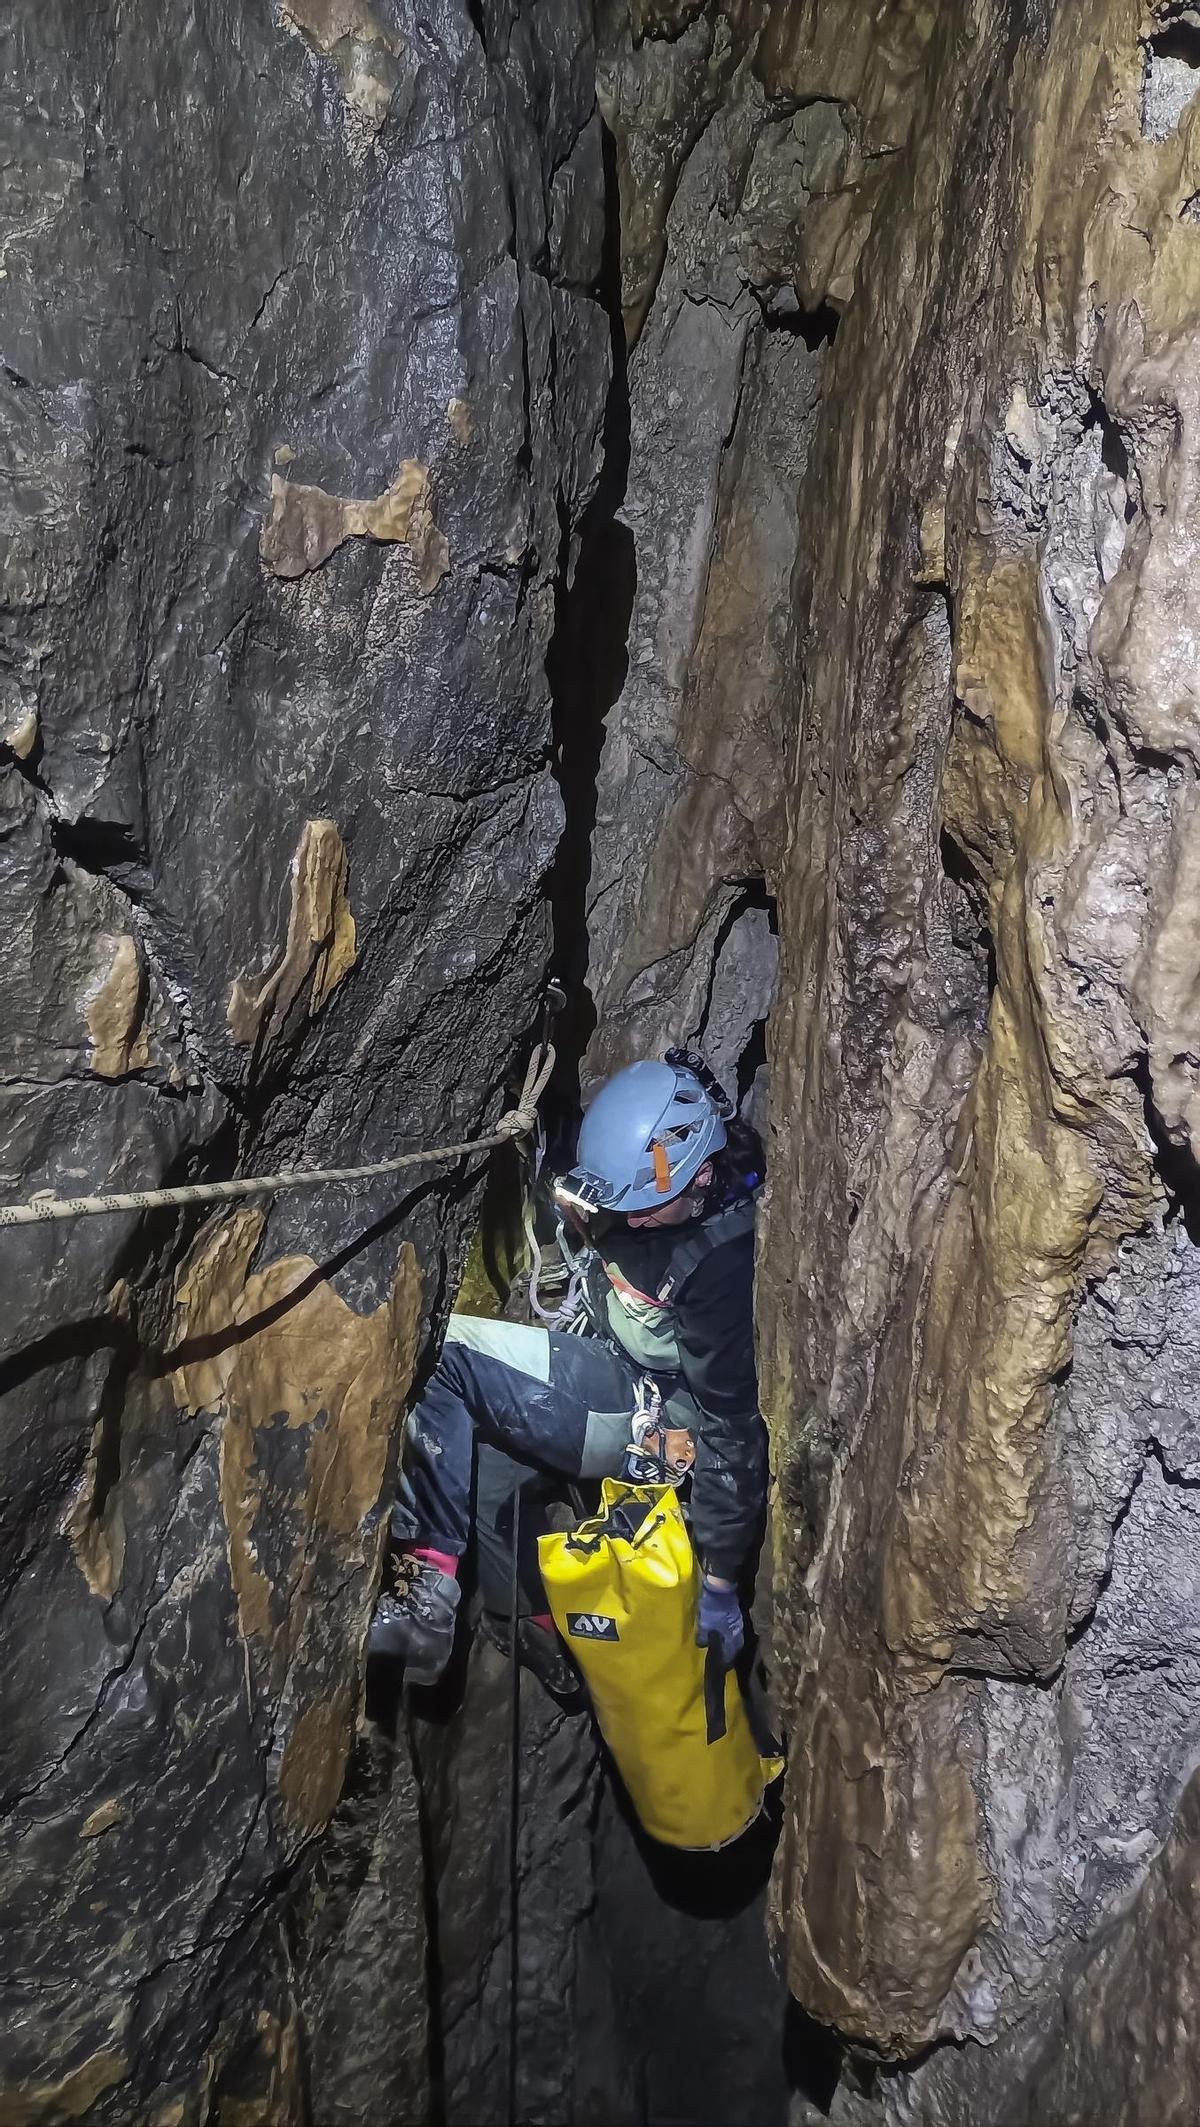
[517, 1122]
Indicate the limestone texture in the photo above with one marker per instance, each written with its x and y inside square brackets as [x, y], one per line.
[752, 143]
[977, 1323]
[845, 603]
[912, 295]
[723, 385]
[302, 384]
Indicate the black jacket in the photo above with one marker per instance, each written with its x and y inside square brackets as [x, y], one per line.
[713, 1310]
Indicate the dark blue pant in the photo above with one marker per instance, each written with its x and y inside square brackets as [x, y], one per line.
[532, 1401]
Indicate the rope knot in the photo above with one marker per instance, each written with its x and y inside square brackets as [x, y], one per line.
[519, 1121]
[522, 1120]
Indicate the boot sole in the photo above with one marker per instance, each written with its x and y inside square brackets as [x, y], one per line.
[423, 1673]
[389, 1646]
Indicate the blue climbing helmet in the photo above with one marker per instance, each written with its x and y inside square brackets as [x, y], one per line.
[645, 1137]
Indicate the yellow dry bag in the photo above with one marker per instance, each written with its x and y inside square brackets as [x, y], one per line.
[623, 1590]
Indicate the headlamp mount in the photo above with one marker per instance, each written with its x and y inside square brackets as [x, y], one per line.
[581, 1191]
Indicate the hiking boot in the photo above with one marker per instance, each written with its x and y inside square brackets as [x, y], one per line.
[542, 1653]
[415, 1625]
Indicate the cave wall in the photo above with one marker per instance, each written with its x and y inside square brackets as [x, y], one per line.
[301, 399]
[752, 142]
[722, 382]
[917, 656]
[560, 2052]
[304, 398]
[977, 1280]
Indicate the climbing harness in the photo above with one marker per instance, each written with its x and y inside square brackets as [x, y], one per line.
[640, 1326]
[730, 1224]
[518, 1122]
[624, 1592]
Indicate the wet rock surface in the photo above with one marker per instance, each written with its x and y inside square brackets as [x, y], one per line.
[301, 399]
[874, 696]
[977, 1337]
[752, 144]
[368, 2016]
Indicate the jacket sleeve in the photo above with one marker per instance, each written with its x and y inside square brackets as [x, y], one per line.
[715, 1329]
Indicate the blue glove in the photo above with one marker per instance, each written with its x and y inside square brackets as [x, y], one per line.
[721, 1619]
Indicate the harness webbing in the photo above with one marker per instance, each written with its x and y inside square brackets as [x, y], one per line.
[728, 1225]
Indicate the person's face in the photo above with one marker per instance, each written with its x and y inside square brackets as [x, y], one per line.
[680, 1208]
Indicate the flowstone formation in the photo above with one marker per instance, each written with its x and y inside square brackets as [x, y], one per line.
[949, 727]
[301, 399]
[979, 1275]
[751, 144]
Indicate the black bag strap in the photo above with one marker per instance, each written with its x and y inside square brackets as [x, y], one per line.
[634, 1521]
[729, 1225]
[714, 1690]
[595, 1285]
[754, 1699]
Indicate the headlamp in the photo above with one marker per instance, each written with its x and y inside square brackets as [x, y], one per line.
[581, 1191]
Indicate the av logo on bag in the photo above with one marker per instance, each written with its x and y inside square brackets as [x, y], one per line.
[589, 1625]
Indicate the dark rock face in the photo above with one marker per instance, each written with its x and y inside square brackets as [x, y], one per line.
[722, 397]
[304, 400]
[301, 400]
[568, 2063]
[369, 2022]
[645, 1995]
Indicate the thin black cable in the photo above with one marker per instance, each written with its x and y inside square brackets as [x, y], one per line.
[514, 1817]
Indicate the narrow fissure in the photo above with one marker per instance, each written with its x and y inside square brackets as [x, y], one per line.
[584, 519]
[1179, 40]
[1169, 75]
[587, 659]
[816, 327]
[638, 1919]
[727, 1028]
[970, 926]
[1175, 1162]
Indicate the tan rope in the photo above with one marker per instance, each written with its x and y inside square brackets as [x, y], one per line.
[517, 1122]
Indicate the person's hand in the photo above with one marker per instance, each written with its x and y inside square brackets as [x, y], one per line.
[720, 1619]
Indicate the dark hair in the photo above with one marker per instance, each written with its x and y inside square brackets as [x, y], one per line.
[738, 1167]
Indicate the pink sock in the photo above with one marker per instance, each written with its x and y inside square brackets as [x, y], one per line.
[542, 1618]
[443, 1560]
